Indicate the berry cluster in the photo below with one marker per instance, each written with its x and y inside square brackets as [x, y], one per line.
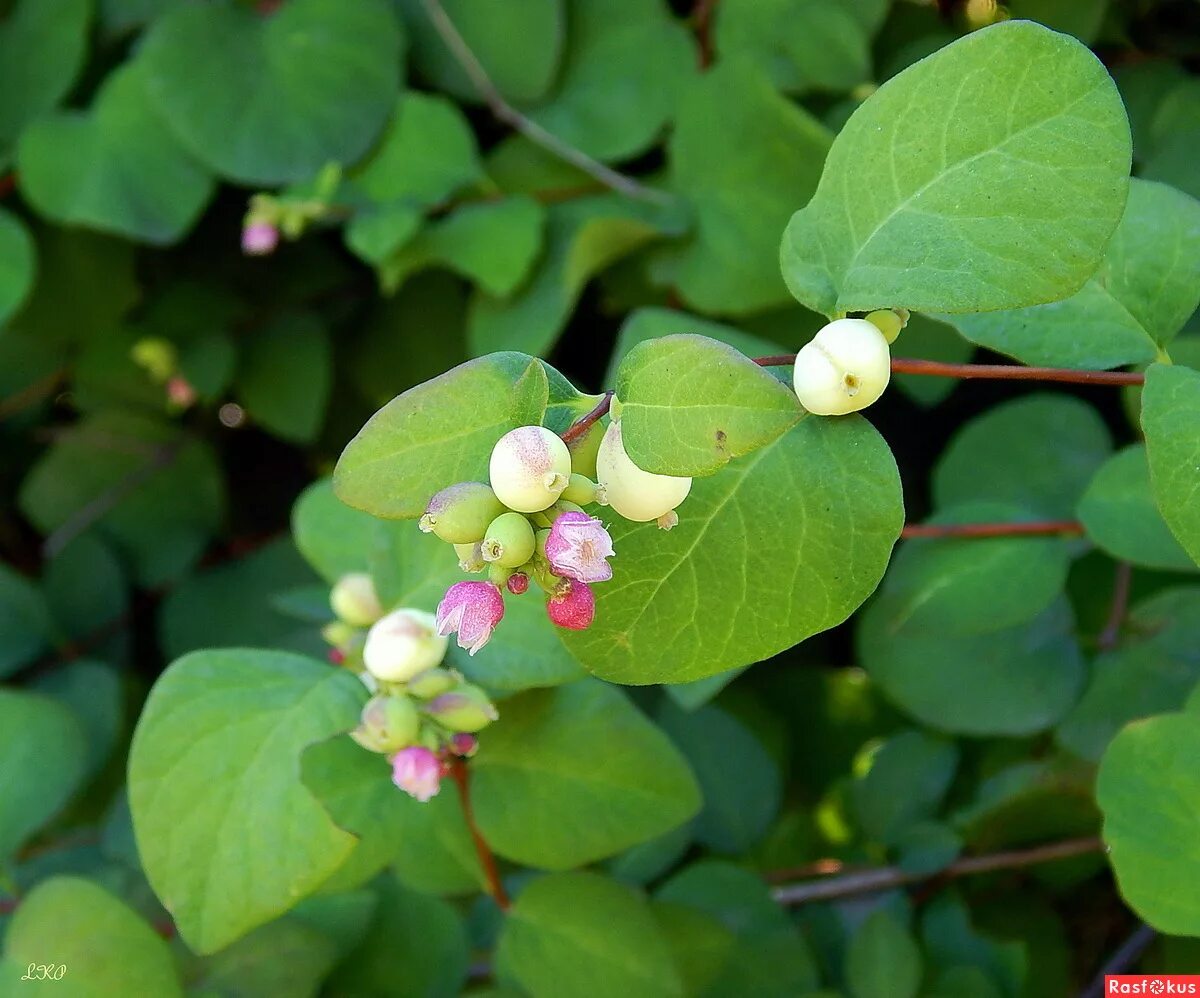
[420, 715]
[528, 524]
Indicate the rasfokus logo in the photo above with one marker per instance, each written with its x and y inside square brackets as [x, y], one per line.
[1152, 984]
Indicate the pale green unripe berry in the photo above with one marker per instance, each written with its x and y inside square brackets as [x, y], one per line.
[636, 494]
[466, 709]
[388, 724]
[470, 557]
[509, 541]
[580, 490]
[460, 514]
[431, 683]
[354, 601]
[889, 321]
[529, 469]
[403, 644]
[844, 368]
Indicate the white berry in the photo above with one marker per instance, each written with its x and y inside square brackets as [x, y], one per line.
[636, 494]
[844, 368]
[403, 644]
[354, 601]
[529, 469]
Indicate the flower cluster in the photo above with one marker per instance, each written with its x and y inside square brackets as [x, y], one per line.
[528, 523]
[420, 716]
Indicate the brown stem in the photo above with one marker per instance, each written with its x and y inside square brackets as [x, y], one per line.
[702, 21]
[992, 372]
[584, 423]
[1126, 956]
[461, 777]
[889, 877]
[1122, 580]
[508, 114]
[1036, 528]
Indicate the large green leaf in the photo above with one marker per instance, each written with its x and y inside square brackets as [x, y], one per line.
[883, 960]
[333, 538]
[286, 375]
[744, 157]
[1146, 288]
[575, 774]
[989, 175]
[17, 265]
[105, 947]
[41, 764]
[25, 624]
[689, 404]
[783, 543]
[580, 935]
[1171, 422]
[116, 168]
[42, 48]
[1120, 516]
[228, 834]
[265, 99]
[1150, 672]
[907, 780]
[1149, 790]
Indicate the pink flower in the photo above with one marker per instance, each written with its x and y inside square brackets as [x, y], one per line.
[418, 772]
[259, 238]
[574, 607]
[473, 609]
[577, 547]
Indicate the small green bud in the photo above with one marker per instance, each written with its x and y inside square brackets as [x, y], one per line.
[431, 683]
[461, 513]
[583, 450]
[579, 490]
[156, 356]
[889, 321]
[354, 601]
[387, 724]
[342, 635]
[470, 557]
[563, 506]
[498, 575]
[509, 541]
[467, 709]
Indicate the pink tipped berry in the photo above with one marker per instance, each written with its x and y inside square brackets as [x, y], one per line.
[573, 607]
[473, 609]
[463, 745]
[418, 772]
[518, 583]
[577, 548]
[259, 238]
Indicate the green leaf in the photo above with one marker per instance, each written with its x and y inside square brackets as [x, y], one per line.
[116, 168]
[952, 941]
[739, 781]
[699, 942]
[689, 404]
[214, 785]
[285, 93]
[744, 157]
[25, 626]
[580, 935]
[1151, 672]
[156, 494]
[521, 72]
[574, 774]
[1149, 790]
[283, 958]
[1081, 18]
[41, 764]
[491, 244]
[333, 538]
[747, 571]
[908, 778]
[1171, 422]
[286, 375]
[17, 265]
[434, 435]
[437, 854]
[105, 947]
[883, 960]
[989, 175]
[1039, 452]
[1014, 681]
[1120, 516]
[86, 587]
[625, 64]
[42, 49]
[1146, 288]
[92, 692]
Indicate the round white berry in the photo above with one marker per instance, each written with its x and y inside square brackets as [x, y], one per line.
[353, 600]
[529, 469]
[636, 494]
[403, 644]
[844, 368]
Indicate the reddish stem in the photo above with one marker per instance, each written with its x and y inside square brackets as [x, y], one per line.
[461, 777]
[1037, 528]
[992, 372]
[578, 428]
[702, 21]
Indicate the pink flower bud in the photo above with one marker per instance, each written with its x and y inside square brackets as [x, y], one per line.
[517, 583]
[259, 238]
[180, 392]
[473, 609]
[418, 772]
[577, 548]
[574, 607]
[464, 745]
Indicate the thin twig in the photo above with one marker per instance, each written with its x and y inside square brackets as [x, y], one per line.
[461, 777]
[702, 15]
[1122, 580]
[991, 372]
[508, 114]
[1125, 957]
[1036, 528]
[584, 423]
[889, 877]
